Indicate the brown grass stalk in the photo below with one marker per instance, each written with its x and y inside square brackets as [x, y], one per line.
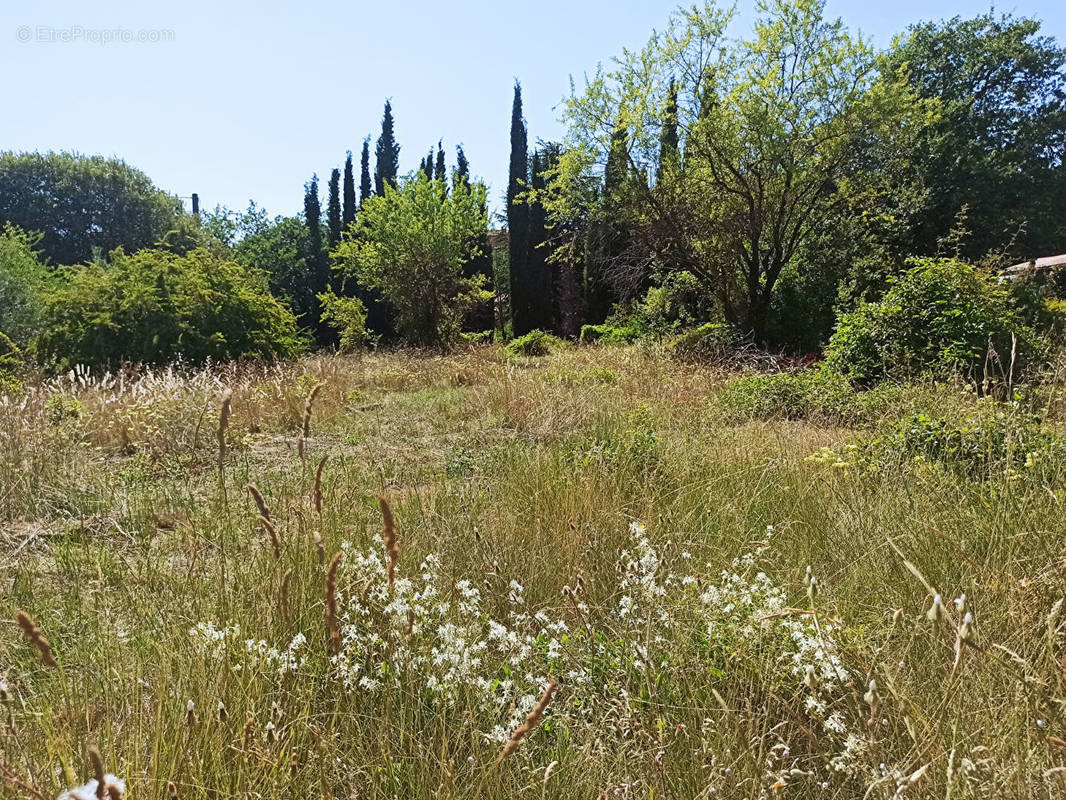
[36, 637]
[97, 762]
[532, 720]
[388, 535]
[223, 424]
[317, 493]
[332, 625]
[259, 502]
[272, 532]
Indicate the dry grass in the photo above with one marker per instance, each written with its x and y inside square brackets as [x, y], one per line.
[691, 657]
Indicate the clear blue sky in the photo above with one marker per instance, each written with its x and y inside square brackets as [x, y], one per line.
[249, 98]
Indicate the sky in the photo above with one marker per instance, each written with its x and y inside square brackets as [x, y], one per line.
[240, 100]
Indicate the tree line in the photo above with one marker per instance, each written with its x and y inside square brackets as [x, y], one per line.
[771, 184]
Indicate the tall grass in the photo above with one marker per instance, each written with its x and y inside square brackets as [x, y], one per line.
[714, 613]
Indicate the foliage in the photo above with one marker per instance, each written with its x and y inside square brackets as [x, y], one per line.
[622, 331]
[534, 343]
[23, 278]
[83, 204]
[711, 341]
[346, 315]
[940, 316]
[997, 146]
[156, 307]
[993, 441]
[411, 244]
[387, 153]
[772, 125]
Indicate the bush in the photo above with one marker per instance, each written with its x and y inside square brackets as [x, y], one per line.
[994, 440]
[680, 301]
[346, 315]
[710, 342]
[156, 307]
[790, 395]
[628, 331]
[939, 316]
[534, 343]
[22, 280]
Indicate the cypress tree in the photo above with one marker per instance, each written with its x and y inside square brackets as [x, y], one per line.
[614, 173]
[315, 258]
[427, 165]
[669, 149]
[462, 167]
[438, 170]
[365, 187]
[348, 209]
[333, 214]
[540, 277]
[387, 153]
[518, 220]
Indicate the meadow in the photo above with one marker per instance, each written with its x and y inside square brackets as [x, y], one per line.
[475, 575]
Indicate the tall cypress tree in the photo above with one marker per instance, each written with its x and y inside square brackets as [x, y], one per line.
[427, 165]
[365, 187]
[348, 209]
[439, 168]
[518, 220]
[540, 277]
[462, 167]
[333, 213]
[315, 258]
[387, 153]
[669, 148]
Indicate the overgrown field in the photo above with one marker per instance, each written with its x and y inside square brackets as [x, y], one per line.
[727, 602]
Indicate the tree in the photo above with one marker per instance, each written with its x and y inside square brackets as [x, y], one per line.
[83, 204]
[155, 307]
[522, 290]
[772, 126]
[998, 145]
[278, 248]
[427, 165]
[411, 244]
[539, 273]
[462, 167]
[387, 154]
[23, 279]
[440, 169]
[365, 187]
[333, 214]
[669, 144]
[348, 209]
[315, 257]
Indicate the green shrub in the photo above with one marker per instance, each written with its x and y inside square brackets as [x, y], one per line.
[534, 343]
[629, 331]
[156, 307]
[939, 316]
[996, 439]
[23, 278]
[790, 395]
[712, 341]
[680, 301]
[346, 315]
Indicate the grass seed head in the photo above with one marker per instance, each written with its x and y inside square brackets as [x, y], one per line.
[36, 637]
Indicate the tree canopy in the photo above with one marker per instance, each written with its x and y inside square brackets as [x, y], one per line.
[83, 204]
